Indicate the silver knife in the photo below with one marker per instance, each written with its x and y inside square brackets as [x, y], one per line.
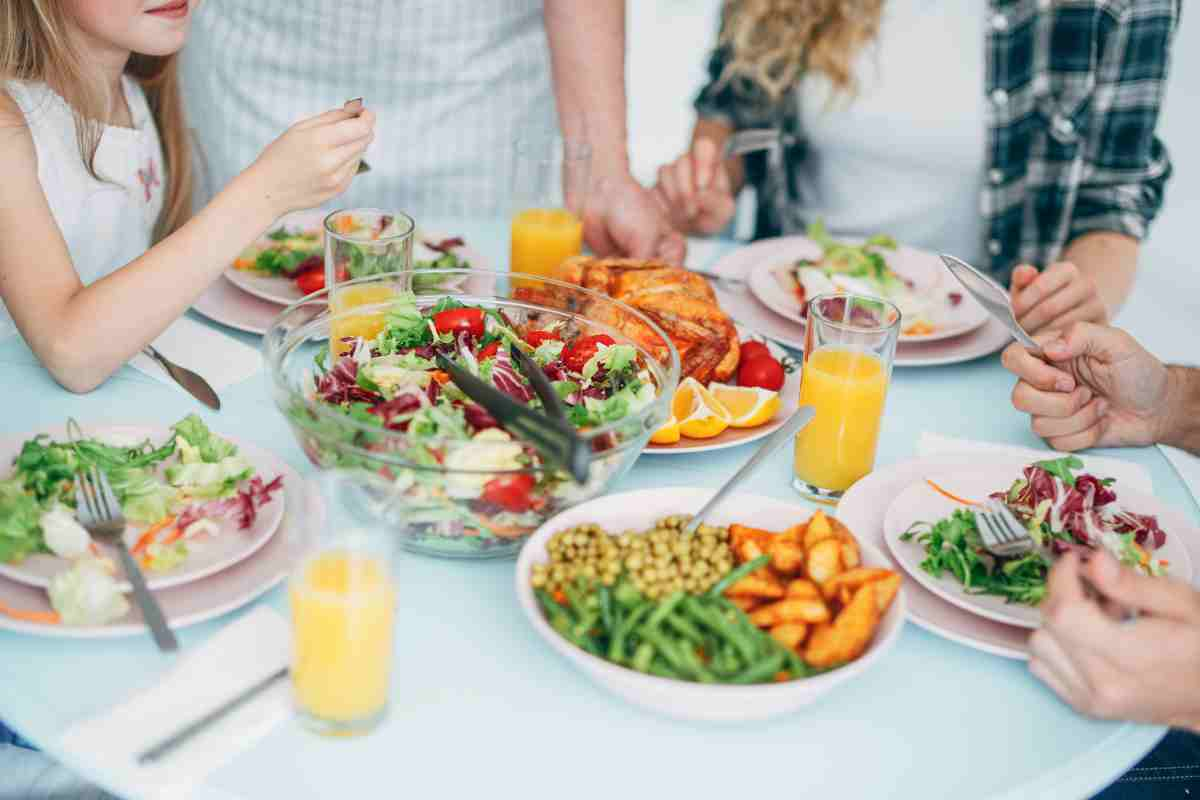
[992, 297]
[192, 383]
[355, 107]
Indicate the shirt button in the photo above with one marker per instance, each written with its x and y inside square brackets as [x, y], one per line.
[999, 97]
[1044, 5]
[999, 23]
[1063, 125]
[995, 176]
[1041, 85]
[994, 247]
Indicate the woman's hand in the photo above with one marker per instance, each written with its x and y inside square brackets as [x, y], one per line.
[695, 191]
[1147, 669]
[312, 161]
[1053, 299]
[1097, 387]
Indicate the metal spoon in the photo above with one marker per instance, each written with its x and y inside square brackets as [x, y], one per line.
[801, 417]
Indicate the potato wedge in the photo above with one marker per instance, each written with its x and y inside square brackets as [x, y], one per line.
[853, 578]
[747, 550]
[792, 609]
[786, 556]
[824, 559]
[803, 587]
[790, 634]
[886, 589]
[817, 530]
[851, 557]
[742, 533]
[759, 583]
[745, 602]
[848, 635]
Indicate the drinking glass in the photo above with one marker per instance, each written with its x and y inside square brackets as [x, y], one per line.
[849, 347]
[343, 608]
[363, 242]
[549, 198]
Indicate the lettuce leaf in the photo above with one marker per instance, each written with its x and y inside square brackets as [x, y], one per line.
[199, 443]
[200, 479]
[143, 497]
[20, 522]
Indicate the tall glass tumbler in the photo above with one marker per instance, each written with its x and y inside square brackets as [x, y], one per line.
[359, 243]
[849, 349]
[549, 199]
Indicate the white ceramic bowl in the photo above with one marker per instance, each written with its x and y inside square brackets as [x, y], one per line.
[683, 699]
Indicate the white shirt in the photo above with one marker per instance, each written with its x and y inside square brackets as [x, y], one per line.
[109, 222]
[453, 82]
[906, 154]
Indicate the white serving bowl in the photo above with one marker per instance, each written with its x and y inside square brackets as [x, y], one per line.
[684, 699]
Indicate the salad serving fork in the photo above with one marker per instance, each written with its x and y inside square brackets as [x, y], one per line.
[99, 512]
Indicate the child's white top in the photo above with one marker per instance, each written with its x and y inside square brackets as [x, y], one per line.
[109, 222]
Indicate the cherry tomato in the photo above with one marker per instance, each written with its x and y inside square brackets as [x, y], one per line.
[535, 337]
[765, 372]
[580, 351]
[311, 280]
[488, 350]
[460, 320]
[753, 349]
[510, 492]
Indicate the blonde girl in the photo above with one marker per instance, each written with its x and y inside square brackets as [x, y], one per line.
[1018, 134]
[99, 250]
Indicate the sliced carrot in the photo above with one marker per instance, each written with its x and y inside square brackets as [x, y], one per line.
[175, 535]
[43, 617]
[243, 263]
[441, 376]
[1162, 562]
[94, 549]
[953, 497]
[147, 537]
[345, 224]
[782, 676]
[560, 597]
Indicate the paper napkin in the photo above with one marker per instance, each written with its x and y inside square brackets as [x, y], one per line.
[1188, 467]
[1126, 473]
[219, 359]
[231, 661]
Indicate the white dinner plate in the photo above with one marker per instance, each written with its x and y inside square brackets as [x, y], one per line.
[219, 552]
[228, 305]
[201, 600]
[283, 291]
[739, 302]
[789, 401]
[921, 503]
[637, 510]
[772, 285]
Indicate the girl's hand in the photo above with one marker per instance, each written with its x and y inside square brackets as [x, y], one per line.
[695, 190]
[1146, 670]
[1055, 298]
[313, 160]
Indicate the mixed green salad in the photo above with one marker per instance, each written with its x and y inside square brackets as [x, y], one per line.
[177, 493]
[1062, 511]
[413, 425]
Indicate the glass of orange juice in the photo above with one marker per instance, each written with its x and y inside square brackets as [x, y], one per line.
[343, 608]
[364, 243]
[550, 188]
[849, 346]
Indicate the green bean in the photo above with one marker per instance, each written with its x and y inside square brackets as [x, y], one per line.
[715, 620]
[761, 670]
[665, 607]
[685, 628]
[663, 670]
[667, 649]
[642, 657]
[586, 622]
[697, 665]
[606, 609]
[736, 575]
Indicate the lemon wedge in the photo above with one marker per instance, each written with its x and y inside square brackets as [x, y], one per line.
[700, 415]
[748, 406]
[668, 433]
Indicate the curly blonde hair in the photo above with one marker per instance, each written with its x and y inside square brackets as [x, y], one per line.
[772, 42]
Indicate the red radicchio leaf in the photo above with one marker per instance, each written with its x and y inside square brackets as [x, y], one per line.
[478, 417]
[505, 378]
[445, 245]
[242, 507]
[1144, 528]
[1101, 495]
[400, 404]
[955, 298]
[340, 384]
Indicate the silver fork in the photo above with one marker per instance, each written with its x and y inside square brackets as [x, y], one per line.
[99, 512]
[1002, 533]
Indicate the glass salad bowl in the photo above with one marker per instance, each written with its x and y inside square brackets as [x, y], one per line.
[430, 463]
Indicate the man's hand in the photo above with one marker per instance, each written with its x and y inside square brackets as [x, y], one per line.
[1097, 387]
[623, 219]
[1146, 670]
[1053, 299]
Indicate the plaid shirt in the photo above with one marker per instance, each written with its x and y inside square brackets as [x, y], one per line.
[1074, 89]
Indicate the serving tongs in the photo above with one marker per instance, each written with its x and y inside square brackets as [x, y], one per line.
[551, 433]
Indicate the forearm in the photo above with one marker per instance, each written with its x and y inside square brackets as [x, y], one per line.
[1110, 260]
[101, 326]
[1181, 420]
[719, 132]
[587, 60]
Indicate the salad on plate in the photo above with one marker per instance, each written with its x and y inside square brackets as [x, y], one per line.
[177, 495]
[396, 414]
[1064, 510]
[863, 269]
